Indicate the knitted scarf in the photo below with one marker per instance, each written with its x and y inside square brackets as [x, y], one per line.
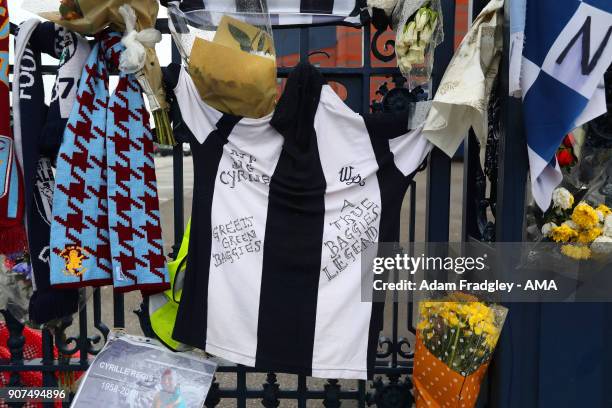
[12, 233]
[38, 132]
[106, 224]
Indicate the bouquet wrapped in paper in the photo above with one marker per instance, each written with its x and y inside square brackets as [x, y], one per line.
[456, 337]
[89, 17]
[229, 54]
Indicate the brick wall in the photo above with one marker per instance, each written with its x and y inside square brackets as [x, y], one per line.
[461, 20]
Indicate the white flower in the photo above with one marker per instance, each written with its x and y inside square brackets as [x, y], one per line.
[402, 44]
[386, 5]
[571, 224]
[415, 55]
[422, 18]
[410, 32]
[401, 49]
[562, 199]
[425, 35]
[404, 63]
[547, 228]
[607, 229]
[433, 19]
[602, 245]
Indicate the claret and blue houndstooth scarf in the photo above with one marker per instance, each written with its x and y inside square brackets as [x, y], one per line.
[38, 131]
[106, 223]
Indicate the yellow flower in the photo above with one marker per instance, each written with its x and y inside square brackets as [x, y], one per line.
[588, 236]
[563, 233]
[423, 325]
[585, 216]
[605, 210]
[491, 341]
[462, 297]
[576, 251]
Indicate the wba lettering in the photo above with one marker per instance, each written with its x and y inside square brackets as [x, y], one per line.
[347, 176]
[588, 64]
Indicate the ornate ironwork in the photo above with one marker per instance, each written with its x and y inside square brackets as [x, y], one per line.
[388, 45]
[481, 227]
[394, 393]
[213, 399]
[492, 148]
[98, 323]
[398, 98]
[408, 354]
[65, 345]
[332, 394]
[385, 347]
[380, 20]
[271, 388]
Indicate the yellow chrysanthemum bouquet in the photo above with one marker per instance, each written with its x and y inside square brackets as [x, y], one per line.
[456, 337]
[584, 230]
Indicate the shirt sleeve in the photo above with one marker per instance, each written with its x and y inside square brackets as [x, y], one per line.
[199, 117]
[409, 147]
[410, 150]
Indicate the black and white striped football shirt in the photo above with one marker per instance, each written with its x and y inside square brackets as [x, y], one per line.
[291, 12]
[283, 207]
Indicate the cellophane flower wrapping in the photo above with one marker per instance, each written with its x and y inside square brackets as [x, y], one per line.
[229, 54]
[15, 285]
[456, 337]
[419, 30]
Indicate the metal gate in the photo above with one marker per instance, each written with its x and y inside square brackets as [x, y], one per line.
[392, 384]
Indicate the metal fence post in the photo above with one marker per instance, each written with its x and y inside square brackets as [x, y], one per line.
[439, 168]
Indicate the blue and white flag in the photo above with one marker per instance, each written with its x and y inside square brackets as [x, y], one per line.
[568, 48]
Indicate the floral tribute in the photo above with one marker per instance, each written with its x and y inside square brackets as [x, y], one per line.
[415, 38]
[584, 230]
[565, 154]
[456, 337]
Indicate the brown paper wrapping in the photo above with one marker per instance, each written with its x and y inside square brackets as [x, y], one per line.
[437, 386]
[233, 81]
[257, 37]
[100, 14]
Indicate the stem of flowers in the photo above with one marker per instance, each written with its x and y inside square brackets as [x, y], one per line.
[454, 348]
[163, 130]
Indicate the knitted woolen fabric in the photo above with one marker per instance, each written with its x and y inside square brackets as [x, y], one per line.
[12, 231]
[106, 225]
